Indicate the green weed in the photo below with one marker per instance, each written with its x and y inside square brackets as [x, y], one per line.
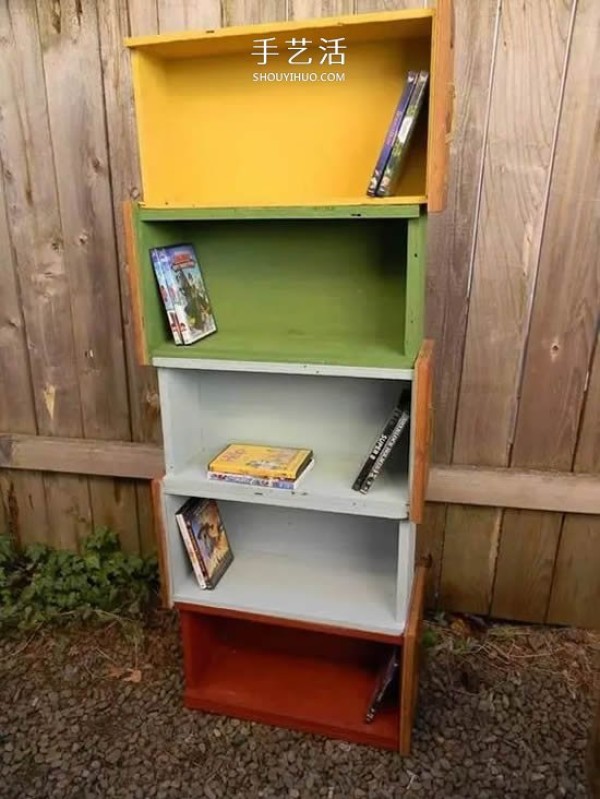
[41, 585]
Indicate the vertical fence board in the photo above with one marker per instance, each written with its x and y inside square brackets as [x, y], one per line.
[247, 12]
[575, 592]
[363, 6]
[70, 54]
[525, 566]
[563, 333]
[305, 9]
[575, 597]
[22, 498]
[115, 23]
[450, 235]
[143, 16]
[181, 15]
[430, 543]
[469, 558]
[36, 234]
[565, 313]
[527, 80]
[143, 19]
[70, 378]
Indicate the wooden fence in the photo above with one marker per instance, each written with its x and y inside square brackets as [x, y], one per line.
[513, 292]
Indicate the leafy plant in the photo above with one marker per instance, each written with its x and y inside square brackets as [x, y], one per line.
[41, 585]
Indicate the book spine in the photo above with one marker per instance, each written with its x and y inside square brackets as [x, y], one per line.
[377, 448]
[395, 161]
[244, 479]
[178, 300]
[391, 134]
[221, 569]
[385, 453]
[383, 683]
[191, 550]
[161, 279]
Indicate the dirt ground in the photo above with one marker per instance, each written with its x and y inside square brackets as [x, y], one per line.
[504, 712]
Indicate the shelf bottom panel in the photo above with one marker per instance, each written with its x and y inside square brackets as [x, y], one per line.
[283, 587]
[326, 487]
[312, 355]
[300, 680]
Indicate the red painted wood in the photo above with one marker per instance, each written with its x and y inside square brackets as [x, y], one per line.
[303, 679]
[291, 623]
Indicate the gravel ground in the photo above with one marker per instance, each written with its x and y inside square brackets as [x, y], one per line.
[98, 713]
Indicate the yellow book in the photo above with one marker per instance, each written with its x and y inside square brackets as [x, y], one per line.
[257, 461]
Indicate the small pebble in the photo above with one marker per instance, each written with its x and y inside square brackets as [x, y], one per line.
[522, 736]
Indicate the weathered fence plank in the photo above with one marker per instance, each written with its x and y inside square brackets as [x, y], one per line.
[247, 12]
[529, 64]
[179, 15]
[305, 9]
[22, 498]
[115, 23]
[37, 241]
[70, 381]
[70, 54]
[563, 333]
[450, 237]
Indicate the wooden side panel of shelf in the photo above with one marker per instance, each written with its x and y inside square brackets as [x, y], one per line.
[161, 543]
[134, 280]
[441, 110]
[422, 422]
[416, 257]
[409, 686]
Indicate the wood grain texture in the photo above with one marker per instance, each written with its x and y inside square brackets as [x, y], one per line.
[517, 161]
[513, 488]
[587, 454]
[307, 9]
[70, 55]
[126, 183]
[450, 240]
[114, 25]
[132, 269]
[526, 564]
[450, 233]
[410, 660]
[37, 243]
[513, 203]
[564, 329]
[565, 317]
[143, 17]
[430, 545]
[246, 12]
[181, 15]
[575, 593]
[363, 6]
[470, 550]
[442, 107]
[22, 499]
[81, 456]
[422, 431]
[506, 487]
